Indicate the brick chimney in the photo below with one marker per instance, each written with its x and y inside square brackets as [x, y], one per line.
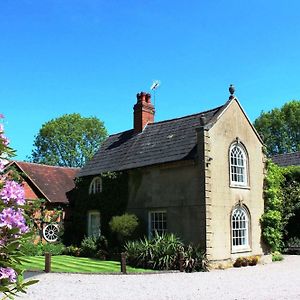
[143, 112]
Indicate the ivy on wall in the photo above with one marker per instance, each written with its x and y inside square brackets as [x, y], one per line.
[112, 201]
[271, 220]
[282, 205]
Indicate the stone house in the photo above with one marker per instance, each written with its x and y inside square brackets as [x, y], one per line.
[199, 176]
[50, 184]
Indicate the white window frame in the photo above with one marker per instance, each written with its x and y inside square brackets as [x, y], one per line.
[96, 185]
[156, 220]
[89, 223]
[240, 229]
[239, 165]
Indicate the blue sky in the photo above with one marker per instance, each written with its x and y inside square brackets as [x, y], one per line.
[93, 56]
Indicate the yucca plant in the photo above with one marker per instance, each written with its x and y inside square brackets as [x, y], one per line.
[159, 253]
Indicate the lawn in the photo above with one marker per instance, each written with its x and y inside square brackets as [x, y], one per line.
[65, 263]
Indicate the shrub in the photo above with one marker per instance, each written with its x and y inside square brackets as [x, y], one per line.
[89, 247]
[159, 253]
[246, 261]
[238, 262]
[94, 247]
[277, 256]
[162, 252]
[29, 248]
[195, 259]
[253, 260]
[72, 250]
[124, 226]
[54, 248]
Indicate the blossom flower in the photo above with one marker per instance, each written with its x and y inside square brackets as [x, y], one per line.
[12, 191]
[5, 140]
[1, 128]
[8, 273]
[1, 165]
[11, 218]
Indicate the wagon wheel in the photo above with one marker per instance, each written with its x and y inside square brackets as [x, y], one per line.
[50, 233]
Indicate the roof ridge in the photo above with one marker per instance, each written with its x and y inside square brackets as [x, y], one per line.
[43, 165]
[283, 154]
[174, 119]
[188, 116]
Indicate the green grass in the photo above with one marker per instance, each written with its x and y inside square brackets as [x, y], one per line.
[71, 264]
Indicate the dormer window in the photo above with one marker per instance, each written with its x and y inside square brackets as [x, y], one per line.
[238, 165]
[96, 185]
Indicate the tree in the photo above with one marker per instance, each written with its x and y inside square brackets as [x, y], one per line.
[68, 141]
[279, 128]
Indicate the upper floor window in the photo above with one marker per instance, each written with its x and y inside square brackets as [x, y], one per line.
[238, 165]
[240, 229]
[96, 185]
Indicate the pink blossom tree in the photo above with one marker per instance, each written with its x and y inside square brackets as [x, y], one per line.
[13, 227]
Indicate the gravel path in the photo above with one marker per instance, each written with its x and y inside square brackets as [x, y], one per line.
[280, 280]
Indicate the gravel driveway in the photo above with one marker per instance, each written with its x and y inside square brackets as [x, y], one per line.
[280, 280]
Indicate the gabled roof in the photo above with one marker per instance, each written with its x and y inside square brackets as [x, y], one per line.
[52, 181]
[287, 159]
[159, 142]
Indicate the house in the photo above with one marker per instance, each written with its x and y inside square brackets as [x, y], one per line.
[199, 176]
[287, 159]
[51, 184]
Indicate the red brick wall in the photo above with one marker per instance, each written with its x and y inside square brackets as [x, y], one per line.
[29, 192]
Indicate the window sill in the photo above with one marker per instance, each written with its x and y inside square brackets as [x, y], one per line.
[241, 250]
[243, 187]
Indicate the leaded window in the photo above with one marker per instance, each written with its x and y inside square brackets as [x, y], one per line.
[238, 165]
[240, 229]
[157, 222]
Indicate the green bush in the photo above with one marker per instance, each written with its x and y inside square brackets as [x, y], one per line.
[271, 220]
[277, 256]
[124, 226]
[72, 250]
[29, 248]
[54, 248]
[94, 247]
[89, 247]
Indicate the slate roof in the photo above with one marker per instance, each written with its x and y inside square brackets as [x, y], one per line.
[287, 159]
[53, 182]
[159, 142]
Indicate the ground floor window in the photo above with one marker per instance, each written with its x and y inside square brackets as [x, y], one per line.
[240, 229]
[157, 222]
[93, 223]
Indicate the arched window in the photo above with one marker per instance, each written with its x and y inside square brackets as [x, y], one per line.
[240, 229]
[238, 165]
[96, 185]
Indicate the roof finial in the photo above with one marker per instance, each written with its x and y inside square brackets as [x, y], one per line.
[231, 91]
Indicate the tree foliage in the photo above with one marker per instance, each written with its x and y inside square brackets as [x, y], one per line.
[279, 128]
[68, 141]
[280, 220]
[271, 220]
